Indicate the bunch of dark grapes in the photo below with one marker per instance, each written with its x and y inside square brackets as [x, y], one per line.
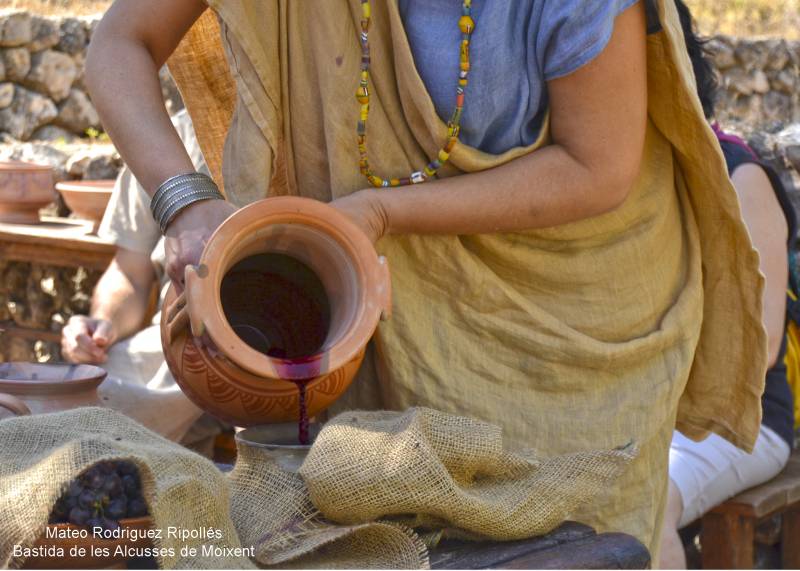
[101, 496]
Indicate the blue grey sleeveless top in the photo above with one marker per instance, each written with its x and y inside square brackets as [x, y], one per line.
[517, 46]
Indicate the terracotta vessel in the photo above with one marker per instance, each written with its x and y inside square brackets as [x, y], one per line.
[279, 443]
[232, 373]
[87, 199]
[94, 558]
[32, 388]
[24, 189]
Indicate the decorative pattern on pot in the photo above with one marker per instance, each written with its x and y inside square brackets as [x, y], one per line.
[286, 296]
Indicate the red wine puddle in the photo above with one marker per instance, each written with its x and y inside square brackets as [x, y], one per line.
[278, 306]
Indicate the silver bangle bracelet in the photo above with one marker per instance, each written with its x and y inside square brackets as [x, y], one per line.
[178, 192]
[172, 182]
[182, 202]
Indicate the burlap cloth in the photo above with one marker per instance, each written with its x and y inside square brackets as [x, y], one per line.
[369, 478]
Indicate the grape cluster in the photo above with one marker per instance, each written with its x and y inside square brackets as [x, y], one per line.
[101, 496]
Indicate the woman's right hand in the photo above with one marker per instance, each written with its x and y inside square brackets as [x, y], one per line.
[188, 234]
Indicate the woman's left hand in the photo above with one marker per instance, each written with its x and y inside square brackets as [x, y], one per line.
[365, 209]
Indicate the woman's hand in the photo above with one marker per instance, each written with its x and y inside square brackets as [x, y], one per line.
[188, 234]
[366, 210]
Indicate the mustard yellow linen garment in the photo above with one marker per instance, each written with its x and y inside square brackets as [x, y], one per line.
[582, 336]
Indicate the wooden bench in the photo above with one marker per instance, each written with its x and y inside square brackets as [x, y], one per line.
[728, 531]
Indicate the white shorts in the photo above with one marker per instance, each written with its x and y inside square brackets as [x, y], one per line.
[709, 472]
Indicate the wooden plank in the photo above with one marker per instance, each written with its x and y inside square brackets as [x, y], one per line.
[456, 554]
[56, 241]
[603, 551]
[790, 540]
[54, 255]
[727, 541]
[13, 330]
[770, 497]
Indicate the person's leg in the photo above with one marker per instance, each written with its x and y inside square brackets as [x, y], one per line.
[672, 554]
[705, 474]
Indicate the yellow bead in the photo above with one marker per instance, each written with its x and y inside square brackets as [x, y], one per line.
[466, 24]
[366, 10]
[443, 156]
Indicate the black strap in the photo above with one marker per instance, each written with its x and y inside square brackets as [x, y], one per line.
[653, 21]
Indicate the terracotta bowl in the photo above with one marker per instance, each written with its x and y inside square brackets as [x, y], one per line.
[87, 199]
[226, 374]
[91, 545]
[24, 189]
[33, 388]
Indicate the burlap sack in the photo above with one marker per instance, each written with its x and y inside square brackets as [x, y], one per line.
[41, 454]
[369, 478]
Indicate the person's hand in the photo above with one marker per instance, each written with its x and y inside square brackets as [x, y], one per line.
[188, 234]
[87, 340]
[365, 209]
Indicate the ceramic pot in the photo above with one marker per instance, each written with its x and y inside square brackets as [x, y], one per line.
[279, 443]
[24, 189]
[233, 374]
[33, 388]
[87, 199]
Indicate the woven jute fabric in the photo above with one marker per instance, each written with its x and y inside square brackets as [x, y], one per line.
[372, 482]
[372, 476]
[41, 454]
[575, 337]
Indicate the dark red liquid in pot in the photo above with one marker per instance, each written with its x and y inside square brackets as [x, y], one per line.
[278, 306]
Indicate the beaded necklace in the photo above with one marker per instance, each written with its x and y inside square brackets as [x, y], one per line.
[467, 25]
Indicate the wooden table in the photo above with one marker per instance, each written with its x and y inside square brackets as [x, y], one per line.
[60, 242]
[56, 241]
[571, 546]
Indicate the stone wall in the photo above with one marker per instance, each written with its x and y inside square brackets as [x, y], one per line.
[760, 83]
[42, 94]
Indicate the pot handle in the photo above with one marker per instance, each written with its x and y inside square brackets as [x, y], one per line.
[179, 314]
[14, 404]
[386, 287]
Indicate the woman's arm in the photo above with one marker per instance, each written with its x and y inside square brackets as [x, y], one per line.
[132, 42]
[764, 218]
[598, 118]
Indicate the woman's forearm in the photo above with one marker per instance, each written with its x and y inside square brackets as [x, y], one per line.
[122, 77]
[543, 189]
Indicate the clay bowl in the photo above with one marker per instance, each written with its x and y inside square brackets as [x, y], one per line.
[279, 443]
[24, 189]
[91, 544]
[33, 388]
[227, 374]
[87, 199]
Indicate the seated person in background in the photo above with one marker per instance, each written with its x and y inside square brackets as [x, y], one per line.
[705, 474]
[115, 334]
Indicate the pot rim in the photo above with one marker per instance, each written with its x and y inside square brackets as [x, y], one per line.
[91, 379]
[11, 166]
[241, 437]
[295, 210]
[103, 186]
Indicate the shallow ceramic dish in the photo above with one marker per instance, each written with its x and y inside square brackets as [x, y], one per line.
[92, 545]
[24, 189]
[33, 388]
[87, 199]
